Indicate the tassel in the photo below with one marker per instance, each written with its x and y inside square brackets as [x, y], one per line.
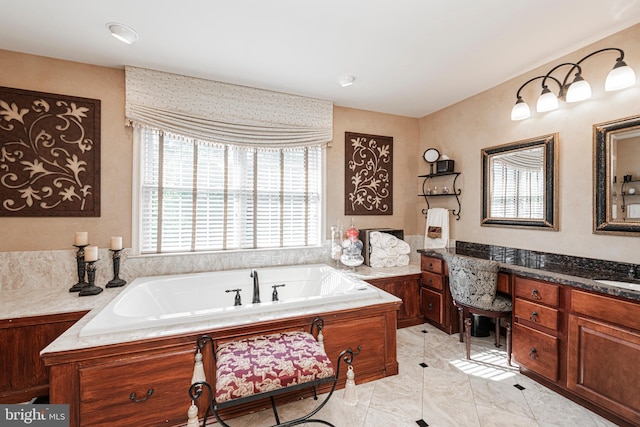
[192, 415]
[350, 394]
[198, 369]
[321, 339]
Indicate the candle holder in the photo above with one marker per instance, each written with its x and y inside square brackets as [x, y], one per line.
[91, 288]
[81, 269]
[116, 282]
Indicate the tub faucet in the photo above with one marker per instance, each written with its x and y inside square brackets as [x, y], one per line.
[256, 286]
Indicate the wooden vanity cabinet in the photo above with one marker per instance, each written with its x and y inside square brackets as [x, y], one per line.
[436, 304]
[604, 351]
[536, 329]
[407, 288]
[24, 375]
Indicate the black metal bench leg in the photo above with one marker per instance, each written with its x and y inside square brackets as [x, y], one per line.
[275, 410]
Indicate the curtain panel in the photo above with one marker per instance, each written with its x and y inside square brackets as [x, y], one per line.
[225, 113]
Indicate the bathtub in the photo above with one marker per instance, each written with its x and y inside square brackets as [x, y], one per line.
[150, 302]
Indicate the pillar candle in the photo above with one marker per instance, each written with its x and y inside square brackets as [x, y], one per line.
[116, 243]
[82, 238]
[91, 253]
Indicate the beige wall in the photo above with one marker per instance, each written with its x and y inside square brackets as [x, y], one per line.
[404, 131]
[68, 78]
[459, 131]
[462, 130]
[55, 76]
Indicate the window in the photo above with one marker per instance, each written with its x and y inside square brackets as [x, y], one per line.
[201, 196]
[517, 192]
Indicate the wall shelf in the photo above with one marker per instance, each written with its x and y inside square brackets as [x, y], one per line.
[455, 192]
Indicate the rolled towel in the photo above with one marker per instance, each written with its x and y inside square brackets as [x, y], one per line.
[402, 260]
[374, 238]
[402, 247]
[387, 240]
[390, 262]
[376, 260]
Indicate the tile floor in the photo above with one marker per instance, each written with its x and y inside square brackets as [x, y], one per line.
[448, 391]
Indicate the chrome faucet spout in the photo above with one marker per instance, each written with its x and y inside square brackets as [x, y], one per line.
[256, 286]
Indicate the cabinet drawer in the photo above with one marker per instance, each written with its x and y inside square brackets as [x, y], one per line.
[106, 390]
[612, 310]
[432, 280]
[431, 264]
[537, 291]
[536, 313]
[432, 305]
[536, 351]
[504, 283]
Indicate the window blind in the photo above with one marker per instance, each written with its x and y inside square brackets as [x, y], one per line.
[517, 192]
[199, 196]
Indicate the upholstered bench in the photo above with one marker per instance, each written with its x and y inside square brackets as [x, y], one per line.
[265, 366]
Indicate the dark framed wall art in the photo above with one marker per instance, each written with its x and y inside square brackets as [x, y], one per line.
[368, 174]
[49, 154]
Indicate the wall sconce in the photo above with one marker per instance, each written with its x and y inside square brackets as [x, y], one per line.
[620, 77]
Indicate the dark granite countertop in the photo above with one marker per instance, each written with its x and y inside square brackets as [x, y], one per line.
[564, 269]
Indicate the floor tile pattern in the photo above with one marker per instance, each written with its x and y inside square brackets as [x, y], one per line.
[438, 387]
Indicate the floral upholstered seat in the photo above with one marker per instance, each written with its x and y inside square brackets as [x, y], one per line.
[265, 363]
[473, 283]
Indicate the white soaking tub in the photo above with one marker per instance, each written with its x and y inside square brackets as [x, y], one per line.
[150, 302]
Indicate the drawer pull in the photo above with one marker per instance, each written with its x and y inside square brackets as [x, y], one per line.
[533, 354]
[430, 266]
[430, 306]
[534, 316]
[430, 282]
[535, 294]
[133, 396]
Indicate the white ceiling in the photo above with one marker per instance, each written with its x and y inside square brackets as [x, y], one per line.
[409, 57]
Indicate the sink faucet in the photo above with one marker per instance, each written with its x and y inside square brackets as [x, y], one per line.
[256, 286]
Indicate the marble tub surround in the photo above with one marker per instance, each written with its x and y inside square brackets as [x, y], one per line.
[564, 269]
[57, 269]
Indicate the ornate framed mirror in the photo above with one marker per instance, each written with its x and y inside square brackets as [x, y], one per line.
[616, 177]
[519, 184]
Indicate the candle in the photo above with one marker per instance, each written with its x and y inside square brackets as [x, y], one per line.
[82, 238]
[116, 243]
[91, 253]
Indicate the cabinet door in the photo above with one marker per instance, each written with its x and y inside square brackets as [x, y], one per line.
[536, 351]
[603, 365]
[24, 375]
[160, 383]
[407, 288]
[432, 305]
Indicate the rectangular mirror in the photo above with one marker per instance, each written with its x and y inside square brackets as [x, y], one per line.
[519, 184]
[616, 175]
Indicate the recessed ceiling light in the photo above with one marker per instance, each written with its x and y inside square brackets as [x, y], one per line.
[345, 81]
[123, 33]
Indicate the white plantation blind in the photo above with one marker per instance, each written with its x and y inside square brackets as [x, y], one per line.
[199, 196]
[225, 113]
[518, 186]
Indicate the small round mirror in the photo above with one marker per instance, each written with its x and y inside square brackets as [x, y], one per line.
[431, 155]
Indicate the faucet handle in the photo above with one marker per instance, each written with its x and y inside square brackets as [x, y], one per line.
[237, 300]
[274, 295]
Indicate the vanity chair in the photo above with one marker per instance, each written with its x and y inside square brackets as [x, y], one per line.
[473, 283]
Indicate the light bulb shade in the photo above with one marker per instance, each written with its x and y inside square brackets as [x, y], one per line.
[123, 33]
[547, 101]
[622, 76]
[579, 90]
[520, 111]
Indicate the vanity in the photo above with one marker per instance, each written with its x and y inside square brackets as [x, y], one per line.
[575, 335]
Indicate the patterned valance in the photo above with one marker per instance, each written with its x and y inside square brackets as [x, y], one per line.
[225, 113]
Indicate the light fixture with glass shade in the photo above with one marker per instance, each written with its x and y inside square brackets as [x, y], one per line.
[620, 77]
